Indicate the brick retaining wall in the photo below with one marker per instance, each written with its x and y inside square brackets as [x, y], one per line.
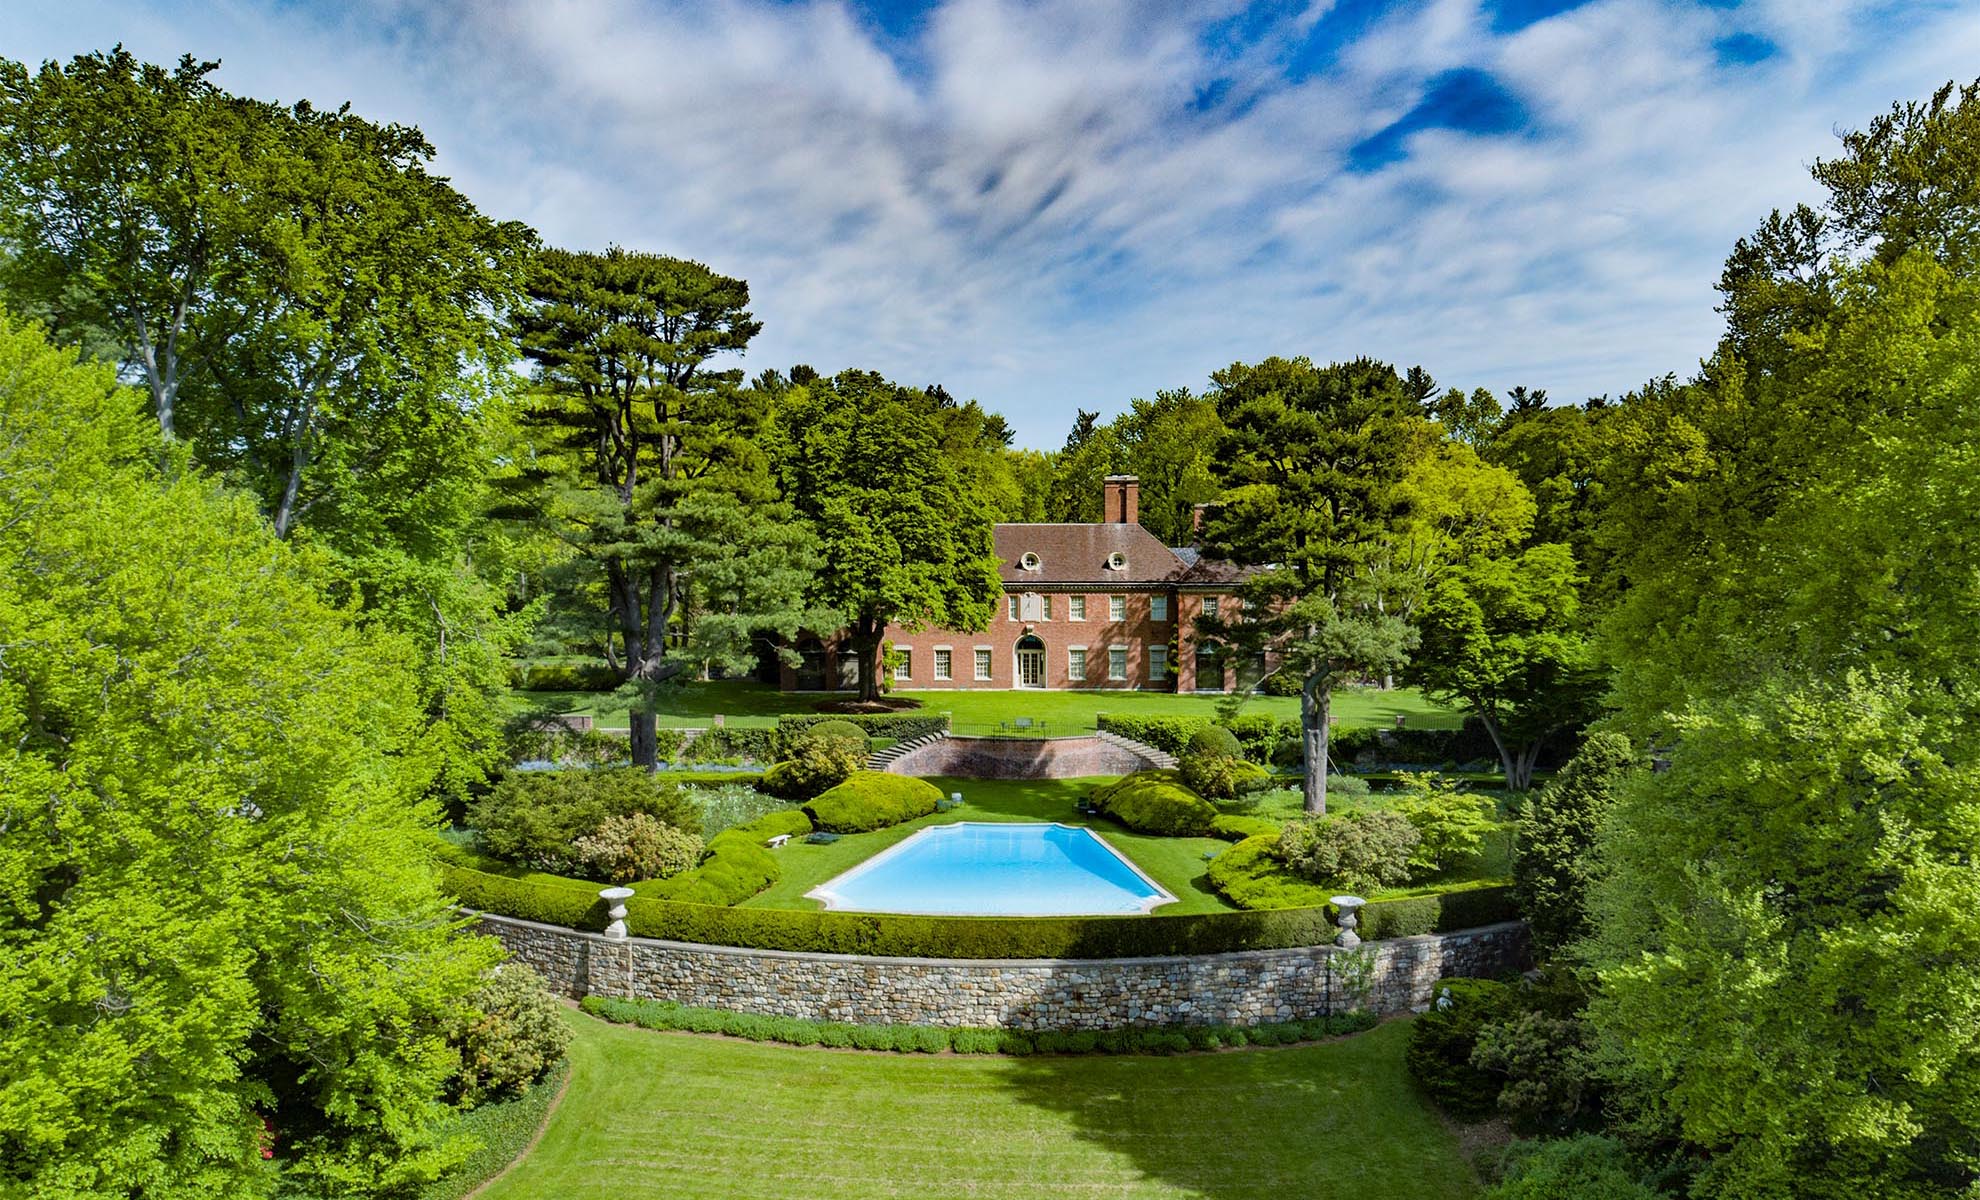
[1023, 758]
[1245, 988]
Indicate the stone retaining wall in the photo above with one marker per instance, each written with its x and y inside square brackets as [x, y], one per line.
[1246, 988]
[1022, 758]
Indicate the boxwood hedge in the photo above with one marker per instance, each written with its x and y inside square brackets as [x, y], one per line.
[569, 903]
[894, 727]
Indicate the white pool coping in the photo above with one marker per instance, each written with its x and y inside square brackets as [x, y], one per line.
[834, 902]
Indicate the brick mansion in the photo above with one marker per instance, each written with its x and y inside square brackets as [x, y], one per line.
[1101, 605]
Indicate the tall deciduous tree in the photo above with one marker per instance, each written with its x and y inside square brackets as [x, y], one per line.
[1502, 637]
[649, 467]
[1785, 927]
[217, 922]
[310, 310]
[906, 534]
[1312, 466]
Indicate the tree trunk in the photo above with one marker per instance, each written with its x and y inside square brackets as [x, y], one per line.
[1315, 705]
[644, 736]
[1515, 762]
[867, 631]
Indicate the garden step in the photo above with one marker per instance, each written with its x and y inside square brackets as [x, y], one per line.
[880, 760]
[1161, 759]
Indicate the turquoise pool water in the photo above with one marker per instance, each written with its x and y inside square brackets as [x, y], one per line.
[975, 868]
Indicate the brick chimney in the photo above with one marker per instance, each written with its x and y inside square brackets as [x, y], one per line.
[1196, 514]
[1122, 494]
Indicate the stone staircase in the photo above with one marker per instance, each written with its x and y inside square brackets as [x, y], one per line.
[1160, 759]
[882, 759]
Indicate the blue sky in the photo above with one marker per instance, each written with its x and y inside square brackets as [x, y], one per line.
[1071, 203]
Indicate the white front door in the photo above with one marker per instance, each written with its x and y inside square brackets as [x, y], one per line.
[1031, 668]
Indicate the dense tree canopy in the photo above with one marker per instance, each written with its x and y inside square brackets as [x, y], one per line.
[220, 926]
[1785, 928]
[649, 469]
[1312, 467]
[311, 311]
[904, 527]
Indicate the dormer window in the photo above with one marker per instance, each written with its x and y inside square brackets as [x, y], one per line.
[1117, 561]
[1029, 562]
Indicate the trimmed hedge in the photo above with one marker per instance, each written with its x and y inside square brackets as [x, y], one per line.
[873, 800]
[1164, 733]
[933, 1039]
[563, 677]
[1234, 827]
[575, 905]
[737, 866]
[729, 741]
[895, 727]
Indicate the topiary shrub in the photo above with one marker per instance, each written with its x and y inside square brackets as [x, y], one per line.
[534, 818]
[1156, 802]
[1442, 1040]
[1360, 851]
[1586, 1167]
[635, 846]
[512, 1036]
[1251, 875]
[819, 758]
[873, 800]
[1214, 741]
[1451, 824]
[1222, 778]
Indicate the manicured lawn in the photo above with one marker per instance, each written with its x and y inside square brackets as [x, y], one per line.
[678, 1116]
[982, 712]
[1175, 863]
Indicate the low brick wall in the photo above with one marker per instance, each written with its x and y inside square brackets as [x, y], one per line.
[1247, 988]
[1022, 758]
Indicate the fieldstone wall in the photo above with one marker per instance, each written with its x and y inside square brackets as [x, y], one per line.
[1028, 758]
[1246, 988]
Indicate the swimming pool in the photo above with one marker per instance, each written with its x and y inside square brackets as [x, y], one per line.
[976, 868]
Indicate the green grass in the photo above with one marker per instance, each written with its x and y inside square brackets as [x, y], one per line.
[503, 1128]
[982, 712]
[652, 1115]
[1175, 863]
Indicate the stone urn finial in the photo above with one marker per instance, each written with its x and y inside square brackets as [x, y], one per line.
[1349, 905]
[615, 910]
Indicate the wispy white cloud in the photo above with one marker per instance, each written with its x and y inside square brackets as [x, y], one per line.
[1070, 203]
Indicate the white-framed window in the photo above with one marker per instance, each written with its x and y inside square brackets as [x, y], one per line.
[1117, 608]
[1210, 606]
[1117, 662]
[1076, 663]
[1076, 608]
[983, 662]
[1158, 663]
[1011, 606]
[1158, 608]
[944, 663]
[904, 667]
[1045, 603]
[1117, 561]
[1029, 562]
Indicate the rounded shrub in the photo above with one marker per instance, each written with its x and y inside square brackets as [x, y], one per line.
[1360, 851]
[873, 800]
[534, 818]
[635, 846]
[1222, 778]
[1215, 741]
[818, 757]
[1251, 875]
[511, 1037]
[1587, 1167]
[1156, 802]
[1442, 1041]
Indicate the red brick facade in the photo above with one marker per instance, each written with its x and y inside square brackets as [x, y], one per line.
[1085, 606]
